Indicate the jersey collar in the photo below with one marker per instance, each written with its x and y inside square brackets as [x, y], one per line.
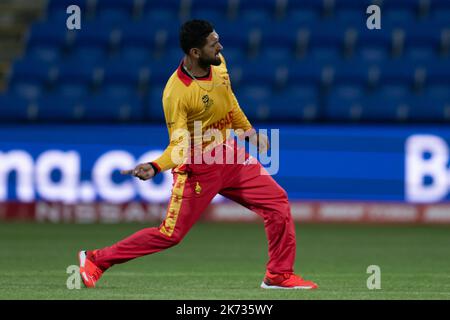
[186, 79]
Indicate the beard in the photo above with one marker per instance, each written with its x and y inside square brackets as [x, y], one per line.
[206, 62]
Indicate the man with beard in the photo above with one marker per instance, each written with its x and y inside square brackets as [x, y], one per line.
[199, 94]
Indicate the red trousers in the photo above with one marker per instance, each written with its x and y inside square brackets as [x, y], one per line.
[193, 188]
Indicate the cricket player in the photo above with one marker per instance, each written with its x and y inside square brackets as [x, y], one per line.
[199, 92]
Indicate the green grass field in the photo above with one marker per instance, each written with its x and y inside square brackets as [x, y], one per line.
[227, 261]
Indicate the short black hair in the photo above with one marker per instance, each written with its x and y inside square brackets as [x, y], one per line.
[193, 34]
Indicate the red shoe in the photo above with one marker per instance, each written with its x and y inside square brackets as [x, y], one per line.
[89, 272]
[286, 281]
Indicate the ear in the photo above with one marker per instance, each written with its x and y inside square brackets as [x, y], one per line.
[194, 52]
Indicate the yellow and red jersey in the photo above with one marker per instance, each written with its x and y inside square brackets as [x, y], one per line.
[209, 100]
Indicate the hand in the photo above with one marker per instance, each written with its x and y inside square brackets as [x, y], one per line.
[258, 139]
[143, 171]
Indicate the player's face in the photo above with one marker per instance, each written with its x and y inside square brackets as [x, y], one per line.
[209, 54]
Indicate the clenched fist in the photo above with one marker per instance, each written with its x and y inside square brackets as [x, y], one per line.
[143, 171]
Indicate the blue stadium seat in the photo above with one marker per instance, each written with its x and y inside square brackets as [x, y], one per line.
[117, 73]
[13, 107]
[442, 91]
[142, 34]
[305, 72]
[344, 103]
[276, 55]
[280, 35]
[93, 34]
[295, 103]
[44, 53]
[439, 4]
[132, 54]
[420, 54]
[378, 107]
[218, 5]
[161, 72]
[56, 107]
[438, 72]
[155, 111]
[424, 34]
[401, 4]
[172, 5]
[404, 17]
[258, 72]
[351, 72]
[113, 16]
[397, 72]
[31, 71]
[123, 5]
[441, 16]
[86, 55]
[26, 89]
[75, 73]
[254, 100]
[394, 90]
[372, 54]
[160, 17]
[328, 56]
[57, 4]
[72, 90]
[216, 17]
[327, 34]
[104, 107]
[255, 17]
[303, 16]
[119, 90]
[429, 107]
[316, 5]
[233, 56]
[374, 39]
[351, 17]
[234, 35]
[46, 34]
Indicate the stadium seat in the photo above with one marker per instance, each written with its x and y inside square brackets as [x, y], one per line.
[305, 72]
[172, 5]
[31, 71]
[429, 107]
[74, 73]
[56, 107]
[25, 89]
[104, 107]
[131, 74]
[89, 55]
[44, 53]
[280, 35]
[113, 17]
[46, 34]
[296, 103]
[94, 34]
[438, 72]
[344, 103]
[72, 90]
[254, 100]
[352, 72]
[132, 54]
[14, 107]
[154, 110]
[397, 72]
[217, 5]
[304, 16]
[144, 35]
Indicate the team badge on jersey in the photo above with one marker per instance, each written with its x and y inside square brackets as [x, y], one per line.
[207, 102]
